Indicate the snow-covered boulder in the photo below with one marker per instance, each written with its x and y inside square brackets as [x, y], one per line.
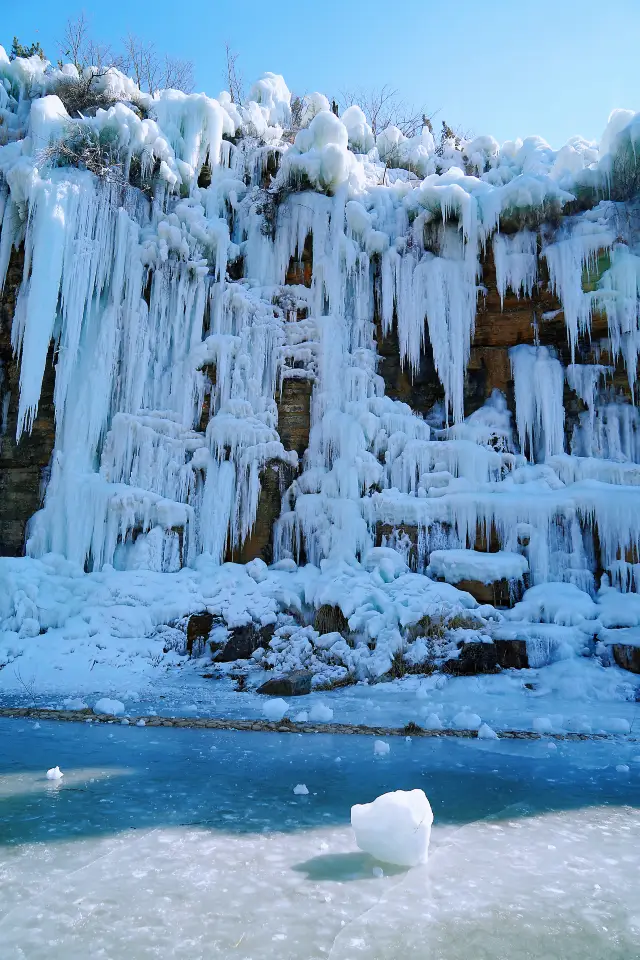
[395, 828]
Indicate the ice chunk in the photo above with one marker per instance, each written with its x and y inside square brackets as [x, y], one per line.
[257, 570]
[620, 768]
[321, 712]
[618, 725]
[109, 708]
[395, 828]
[74, 703]
[486, 733]
[467, 720]
[55, 773]
[542, 725]
[301, 790]
[275, 709]
[380, 748]
[433, 722]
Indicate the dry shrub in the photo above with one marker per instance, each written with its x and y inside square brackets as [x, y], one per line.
[330, 619]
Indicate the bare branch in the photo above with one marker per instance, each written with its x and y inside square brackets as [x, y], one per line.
[383, 108]
[232, 76]
[177, 74]
[153, 71]
[74, 39]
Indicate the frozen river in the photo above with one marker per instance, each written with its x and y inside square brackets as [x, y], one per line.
[175, 843]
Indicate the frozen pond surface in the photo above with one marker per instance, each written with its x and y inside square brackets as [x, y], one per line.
[191, 844]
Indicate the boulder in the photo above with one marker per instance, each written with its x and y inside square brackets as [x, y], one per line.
[244, 641]
[627, 656]
[474, 658]
[198, 629]
[512, 653]
[294, 684]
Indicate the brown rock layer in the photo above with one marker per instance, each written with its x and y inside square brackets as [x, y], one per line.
[23, 465]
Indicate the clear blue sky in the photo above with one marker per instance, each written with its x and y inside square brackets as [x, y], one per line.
[506, 67]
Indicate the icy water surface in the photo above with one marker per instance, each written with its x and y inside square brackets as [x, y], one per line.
[177, 843]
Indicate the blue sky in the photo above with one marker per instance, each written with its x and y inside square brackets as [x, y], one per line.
[506, 67]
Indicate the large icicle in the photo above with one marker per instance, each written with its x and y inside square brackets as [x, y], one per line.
[538, 380]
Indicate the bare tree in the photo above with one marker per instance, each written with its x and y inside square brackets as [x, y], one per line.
[177, 74]
[232, 75]
[78, 48]
[92, 60]
[153, 71]
[383, 107]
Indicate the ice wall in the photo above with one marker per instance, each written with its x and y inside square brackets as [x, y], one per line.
[158, 238]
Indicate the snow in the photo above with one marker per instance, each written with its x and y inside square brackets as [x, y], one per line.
[395, 827]
[456, 565]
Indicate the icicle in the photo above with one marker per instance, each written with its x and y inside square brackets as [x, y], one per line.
[538, 381]
[516, 260]
[567, 258]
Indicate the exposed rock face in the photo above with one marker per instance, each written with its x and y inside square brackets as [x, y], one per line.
[294, 684]
[300, 272]
[275, 478]
[501, 593]
[420, 390]
[294, 413]
[23, 465]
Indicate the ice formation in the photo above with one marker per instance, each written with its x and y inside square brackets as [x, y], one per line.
[162, 274]
[395, 827]
[55, 773]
